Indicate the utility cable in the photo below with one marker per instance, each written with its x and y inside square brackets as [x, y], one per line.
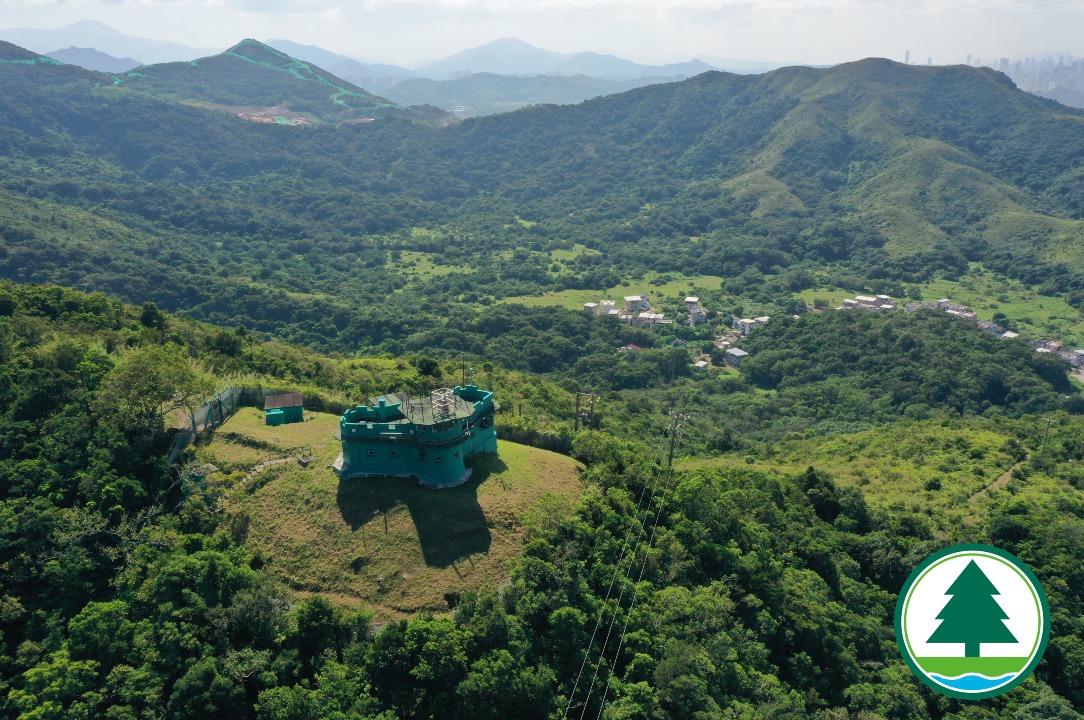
[651, 541]
[602, 610]
[671, 437]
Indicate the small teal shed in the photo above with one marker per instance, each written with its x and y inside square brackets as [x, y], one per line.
[284, 409]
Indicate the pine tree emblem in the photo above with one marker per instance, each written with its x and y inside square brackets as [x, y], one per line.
[972, 616]
[972, 621]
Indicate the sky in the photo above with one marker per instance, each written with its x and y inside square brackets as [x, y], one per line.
[408, 32]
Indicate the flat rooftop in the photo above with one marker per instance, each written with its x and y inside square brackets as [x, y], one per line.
[420, 411]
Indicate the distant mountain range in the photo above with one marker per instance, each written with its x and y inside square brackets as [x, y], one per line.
[101, 37]
[501, 76]
[371, 76]
[497, 77]
[512, 56]
[509, 56]
[91, 59]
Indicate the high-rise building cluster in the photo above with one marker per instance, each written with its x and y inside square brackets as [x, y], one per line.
[1039, 75]
[1043, 74]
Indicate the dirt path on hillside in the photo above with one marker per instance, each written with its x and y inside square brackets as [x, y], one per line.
[1001, 481]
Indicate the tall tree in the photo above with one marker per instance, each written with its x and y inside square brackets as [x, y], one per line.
[148, 384]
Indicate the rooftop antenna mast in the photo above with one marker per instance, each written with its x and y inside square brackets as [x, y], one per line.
[443, 399]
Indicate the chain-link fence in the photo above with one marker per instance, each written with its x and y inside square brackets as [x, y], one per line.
[214, 412]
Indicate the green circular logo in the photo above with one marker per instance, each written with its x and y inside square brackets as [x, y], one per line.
[972, 621]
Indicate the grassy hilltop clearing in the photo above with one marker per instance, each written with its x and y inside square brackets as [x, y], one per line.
[389, 543]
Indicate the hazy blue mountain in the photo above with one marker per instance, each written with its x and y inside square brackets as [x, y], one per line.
[92, 59]
[101, 37]
[308, 53]
[507, 56]
[371, 76]
[512, 56]
[487, 93]
[608, 67]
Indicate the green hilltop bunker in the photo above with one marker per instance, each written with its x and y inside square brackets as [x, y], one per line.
[426, 438]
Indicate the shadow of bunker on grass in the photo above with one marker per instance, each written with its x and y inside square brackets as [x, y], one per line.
[450, 522]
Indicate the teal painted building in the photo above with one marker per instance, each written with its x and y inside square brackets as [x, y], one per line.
[284, 409]
[426, 438]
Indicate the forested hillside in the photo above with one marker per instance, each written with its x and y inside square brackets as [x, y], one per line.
[868, 174]
[128, 593]
[254, 77]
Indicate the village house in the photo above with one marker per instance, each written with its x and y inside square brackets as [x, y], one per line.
[734, 357]
[697, 314]
[869, 302]
[724, 341]
[747, 325]
[635, 311]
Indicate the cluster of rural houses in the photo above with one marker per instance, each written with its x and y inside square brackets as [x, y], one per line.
[740, 328]
[879, 303]
[869, 302]
[1075, 358]
[636, 310]
[883, 302]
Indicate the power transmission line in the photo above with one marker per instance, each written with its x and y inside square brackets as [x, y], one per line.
[648, 488]
[675, 428]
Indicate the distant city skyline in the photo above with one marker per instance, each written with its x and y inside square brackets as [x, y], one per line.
[410, 32]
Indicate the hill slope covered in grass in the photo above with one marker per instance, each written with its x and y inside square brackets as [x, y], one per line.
[870, 173]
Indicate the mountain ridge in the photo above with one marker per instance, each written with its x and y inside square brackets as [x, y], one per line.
[512, 56]
[867, 174]
[371, 76]
[91, 59]
[273, 84]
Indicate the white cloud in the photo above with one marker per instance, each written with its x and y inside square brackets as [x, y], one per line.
[401, 31]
